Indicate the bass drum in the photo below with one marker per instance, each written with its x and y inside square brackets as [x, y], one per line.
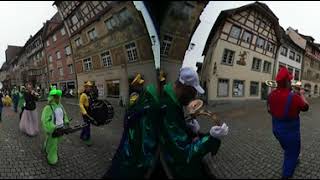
[101, 111]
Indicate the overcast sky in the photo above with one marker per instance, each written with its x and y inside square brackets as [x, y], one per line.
[301, 15]
[21, 19]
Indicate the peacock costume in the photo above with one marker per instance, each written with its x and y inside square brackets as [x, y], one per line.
[136, 154]
[53, 117]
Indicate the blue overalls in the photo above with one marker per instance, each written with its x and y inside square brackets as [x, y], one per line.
[287, 132]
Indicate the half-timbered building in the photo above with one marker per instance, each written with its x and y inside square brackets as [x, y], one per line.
[110, 44]
[311, 67]
[176, 29]
[290, 54]
[240, 53]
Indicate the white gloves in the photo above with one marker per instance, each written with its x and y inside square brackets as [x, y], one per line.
[194, 125]
[219, 131]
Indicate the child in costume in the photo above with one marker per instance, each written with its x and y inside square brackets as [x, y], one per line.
[53, 117]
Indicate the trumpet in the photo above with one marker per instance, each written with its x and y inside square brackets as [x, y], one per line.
[294, 85]
[271, 83]
[195, 109]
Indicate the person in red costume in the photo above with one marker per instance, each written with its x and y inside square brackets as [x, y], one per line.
[285, 106]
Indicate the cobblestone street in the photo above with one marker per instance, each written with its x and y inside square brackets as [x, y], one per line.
[251, 151]
[21, 156]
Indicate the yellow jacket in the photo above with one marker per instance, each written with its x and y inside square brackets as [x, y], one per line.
[84, 103]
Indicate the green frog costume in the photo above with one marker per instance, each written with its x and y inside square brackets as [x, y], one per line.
[136, 154]
[183, 155]
[53, 117]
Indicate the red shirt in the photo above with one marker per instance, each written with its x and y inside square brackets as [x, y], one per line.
[278, 99]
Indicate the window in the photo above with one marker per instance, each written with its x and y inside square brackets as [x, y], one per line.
[54, 38]
[312, 63]
[238, 88]
[223, 87]
[309, 74]
[132, 52]
[317, 76]
[260, 43]
[258, 21]
[269, 47]
[51, 73]
[267, 67]
[298, 58]
[58, 55]
[106, 59]
[292, 55]
[61, 71]
[124, 15]
[228, 57]
[296, 75]
[87, 63]
[74, 19]
[67, 50]
[63, 32]
[111, 23]
[284, 51]
[166, 44]
[256, 64]
[235, 32]
[78, 42]
[70, 67]
[92, 34]
[263, 24]
[254, 88]
[113, 88]
[247, 37]
[48, 43]
[50, 58]
[290, 69]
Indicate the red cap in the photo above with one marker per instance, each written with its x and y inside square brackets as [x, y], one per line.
[283, 75]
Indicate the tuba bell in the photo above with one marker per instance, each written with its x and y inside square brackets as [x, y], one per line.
[195, 110]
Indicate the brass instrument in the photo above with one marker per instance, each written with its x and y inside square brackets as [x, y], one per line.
[271, 83]
[195, 109]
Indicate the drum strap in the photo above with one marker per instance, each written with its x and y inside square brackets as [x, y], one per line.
[54, 114]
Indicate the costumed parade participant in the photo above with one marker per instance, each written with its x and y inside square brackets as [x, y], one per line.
[53, 117]
[136, 153]
[29, 123]
[84, 103]
[285, 106]
[22, 101]
[1, 105]
[182, 155]
[15, 98]
[7, 101]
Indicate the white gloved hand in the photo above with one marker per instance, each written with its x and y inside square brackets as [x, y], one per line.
[194, 125]
[219, 131]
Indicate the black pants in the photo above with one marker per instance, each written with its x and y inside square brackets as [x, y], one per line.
[158, 172]
[22, 109]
